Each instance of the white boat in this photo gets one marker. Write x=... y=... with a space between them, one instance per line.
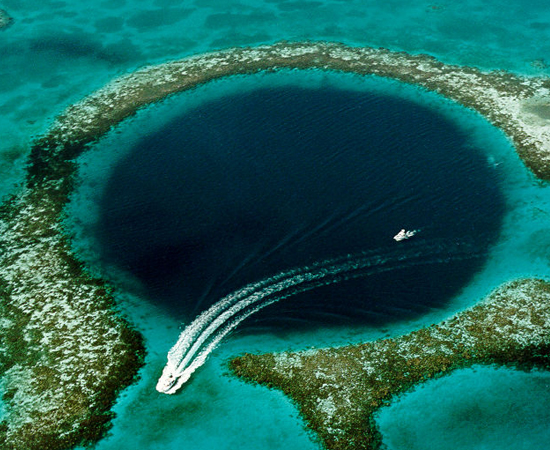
x=404 y=234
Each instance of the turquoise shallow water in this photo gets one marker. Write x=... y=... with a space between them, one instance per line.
x=57 y=52
x=503 y=409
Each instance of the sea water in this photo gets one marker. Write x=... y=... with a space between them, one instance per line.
x=211 y=400
x=262 y=182
x=57 y=52
x=503 y=409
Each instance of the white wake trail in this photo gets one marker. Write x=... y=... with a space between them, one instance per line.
x=202 y=336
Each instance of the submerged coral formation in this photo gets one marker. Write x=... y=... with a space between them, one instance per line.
x=5 y=19
x=66 y=353
x=338 y=390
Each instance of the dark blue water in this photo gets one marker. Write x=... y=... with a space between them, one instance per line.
x=247 y=186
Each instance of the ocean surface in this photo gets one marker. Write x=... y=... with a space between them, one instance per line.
x=248 y=177
x=257 y=183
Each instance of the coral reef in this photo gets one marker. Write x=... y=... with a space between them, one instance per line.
x=339 y=389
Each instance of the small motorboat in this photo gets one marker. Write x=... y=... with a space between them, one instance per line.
x=404 y=234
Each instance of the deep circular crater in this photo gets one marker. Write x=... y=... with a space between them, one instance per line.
x=256 y=183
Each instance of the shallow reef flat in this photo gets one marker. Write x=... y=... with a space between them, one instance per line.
x=66 y=352
x=338 y=390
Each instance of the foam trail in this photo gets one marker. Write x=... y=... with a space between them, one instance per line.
x=202 y=336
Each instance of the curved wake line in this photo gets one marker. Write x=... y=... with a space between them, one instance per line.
x=203 y=335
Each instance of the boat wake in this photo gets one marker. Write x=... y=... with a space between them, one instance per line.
x=202 y=336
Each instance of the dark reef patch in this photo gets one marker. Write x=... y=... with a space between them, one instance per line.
x=5 y=19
